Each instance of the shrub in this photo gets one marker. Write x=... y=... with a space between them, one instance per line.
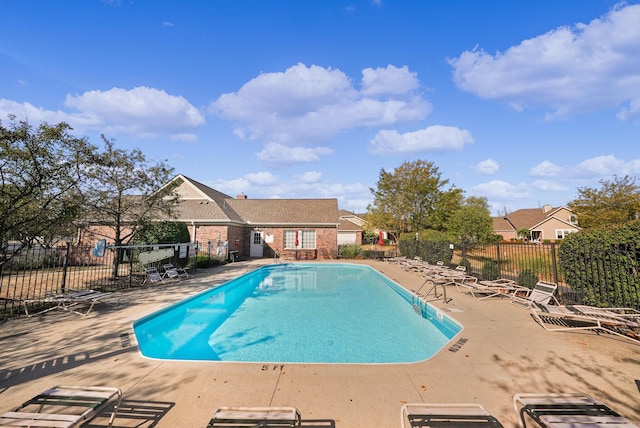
x=527 y=278
x=490 y=270
x=350 y=251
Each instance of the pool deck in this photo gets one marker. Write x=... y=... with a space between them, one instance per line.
x=504 y=352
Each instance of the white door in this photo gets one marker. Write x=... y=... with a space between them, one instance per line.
x=256 y=244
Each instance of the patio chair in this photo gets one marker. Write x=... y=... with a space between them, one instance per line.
x=543 y=292
x=446 y=415
x=173 y=272
x=623 y=322
x=482 y=290
x=567 y=410
x=248 y=417
x=63 y=406
x=152 y=275
x=69 y=300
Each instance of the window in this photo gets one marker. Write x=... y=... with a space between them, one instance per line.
x=306 y=239
x=562 y=233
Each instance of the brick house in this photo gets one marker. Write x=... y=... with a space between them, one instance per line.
x=297 y=228
x=545 y=223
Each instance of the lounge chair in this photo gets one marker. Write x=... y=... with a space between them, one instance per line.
x=543 y=292
x=446 y=415
x=496 y=288
x=63 y=406
x=567 y=410
x=69 y=300
x=247 y=417
x=152 y=275
x=173 y=272
x=623 y=322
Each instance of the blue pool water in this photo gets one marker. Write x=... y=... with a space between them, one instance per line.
x=305 y=313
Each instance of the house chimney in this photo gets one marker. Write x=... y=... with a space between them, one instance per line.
x=546 y=208
x=243 y=196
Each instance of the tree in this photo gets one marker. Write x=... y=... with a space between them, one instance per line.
x=471 y=224
x=408 y=198
x=164 y=232
x=125 y=193
x=41 y=173
x=616 y=202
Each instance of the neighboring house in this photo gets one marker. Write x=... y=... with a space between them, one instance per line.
x=350 y=228
x=545 y=223
x=296 y=228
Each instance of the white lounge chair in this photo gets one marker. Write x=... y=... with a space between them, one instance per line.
x=543 y=292
x=172 y=272
x=567 y=410
x=63 y=406
x=248 y=417
x=495 y=288
x=69 y=300
x=425 y=415
x=152 y=276
x=623 y=322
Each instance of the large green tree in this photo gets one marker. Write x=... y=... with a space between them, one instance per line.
x=412 y=197
x=41 y=173
x=615 y=202
x=126 y=193
x=471 y=224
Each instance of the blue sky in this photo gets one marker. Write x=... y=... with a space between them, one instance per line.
x=522 y=102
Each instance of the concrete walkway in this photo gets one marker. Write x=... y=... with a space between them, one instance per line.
x=504 y=352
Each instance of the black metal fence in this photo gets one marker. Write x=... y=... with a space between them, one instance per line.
x=601 y=276
x=32 y=273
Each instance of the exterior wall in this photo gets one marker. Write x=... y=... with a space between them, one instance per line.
x=326 y=244
x=548 y=229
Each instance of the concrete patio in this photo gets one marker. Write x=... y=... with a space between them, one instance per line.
x=504 y=352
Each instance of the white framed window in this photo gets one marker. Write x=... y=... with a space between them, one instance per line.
x=306 y=239
x=562 y=233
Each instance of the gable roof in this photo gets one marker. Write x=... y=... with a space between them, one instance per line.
x=201 y=203
x=528 y=218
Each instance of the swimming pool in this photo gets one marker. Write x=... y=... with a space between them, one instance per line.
x=298 y=313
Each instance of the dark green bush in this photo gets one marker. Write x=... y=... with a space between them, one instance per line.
x=601 y=265
x=490 y=270
x=431 y=246
x=350 y=251
x=527 y=278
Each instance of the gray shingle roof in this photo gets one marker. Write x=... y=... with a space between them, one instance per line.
x=202 y=203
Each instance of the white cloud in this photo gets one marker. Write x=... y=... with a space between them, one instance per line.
x=138 y=110
x=141 y=111
x=261 y=178
x=432 y=138
x=310 y=177
x=487 y=167
x=314 y=104
x=602 y=166
x=568 y=70
x=546 y=169
x=388 y=81
x=498 y=189
x=279 y=154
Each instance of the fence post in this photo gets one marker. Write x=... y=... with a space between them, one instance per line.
x=554 y=263
x=64 y=267
x=498 y=256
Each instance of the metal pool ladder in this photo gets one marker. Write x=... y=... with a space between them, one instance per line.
x=418 y=300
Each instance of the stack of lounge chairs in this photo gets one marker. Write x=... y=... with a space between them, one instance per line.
x=71 y=299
